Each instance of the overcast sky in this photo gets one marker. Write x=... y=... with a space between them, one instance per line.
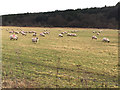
x=24 y=6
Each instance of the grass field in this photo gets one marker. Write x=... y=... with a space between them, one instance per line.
x=60 y=62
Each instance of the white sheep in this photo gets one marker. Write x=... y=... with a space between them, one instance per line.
x=34 y=34
x=11 y=31
x=98 y=33
x=30 y=31
x=16 y=32
x=42 y=34
x=23 y=33
x=94 y=31
x=35 y=39
x=94 y=37
x=65 y=32
x=33 y=31
x=74 y=31
x=74 y=35
x=105 y=40
x=46 y=32
x=13 y=37
x=60 y=35
x=71 y=34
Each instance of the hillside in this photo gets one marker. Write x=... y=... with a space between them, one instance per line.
x=105 y=17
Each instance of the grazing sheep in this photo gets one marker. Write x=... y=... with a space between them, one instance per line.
x=94 y=31
x=11 y=31
x=33 y=31
x=6 y=29
x=106 y=40
x=35 y=39
x=16 y=32
x=94 y=37
x=98 y=33
x=13 y=37
x=34 y=34
x=42 y=34
x=23 y=33
x=74 y=35
x=71 y=34
x=64 y=32
x=30 y=31
x=74 y=31
x=46 y=32
x=60 y=35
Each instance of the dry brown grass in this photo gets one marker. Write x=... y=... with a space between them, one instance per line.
x=8 y=83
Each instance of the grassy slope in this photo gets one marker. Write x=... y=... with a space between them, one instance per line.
x=36 y=64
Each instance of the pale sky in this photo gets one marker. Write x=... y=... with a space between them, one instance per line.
x=24 y=6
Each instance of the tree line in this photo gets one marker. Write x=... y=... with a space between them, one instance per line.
x=104 y=17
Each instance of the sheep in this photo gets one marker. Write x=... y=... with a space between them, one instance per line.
x=94 y=37
x=6 y=29
x=35 y=39
x=94 y=31
x=42 y=34
x=64 y=32
x=11 y=31
x=16 y=32
x=74 y=31
x=14 y=37
x=34 y=34
x=74 y=35
x=46 y=32
x=71 y=34
x=60 y=35
x=30 y=31
x=98 y=33
x=33 y=31
x=105 y=40
x=23 y=33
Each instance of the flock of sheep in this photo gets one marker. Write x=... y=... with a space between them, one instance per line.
x=35 y=39
x=98 y=33
x=68 y=34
